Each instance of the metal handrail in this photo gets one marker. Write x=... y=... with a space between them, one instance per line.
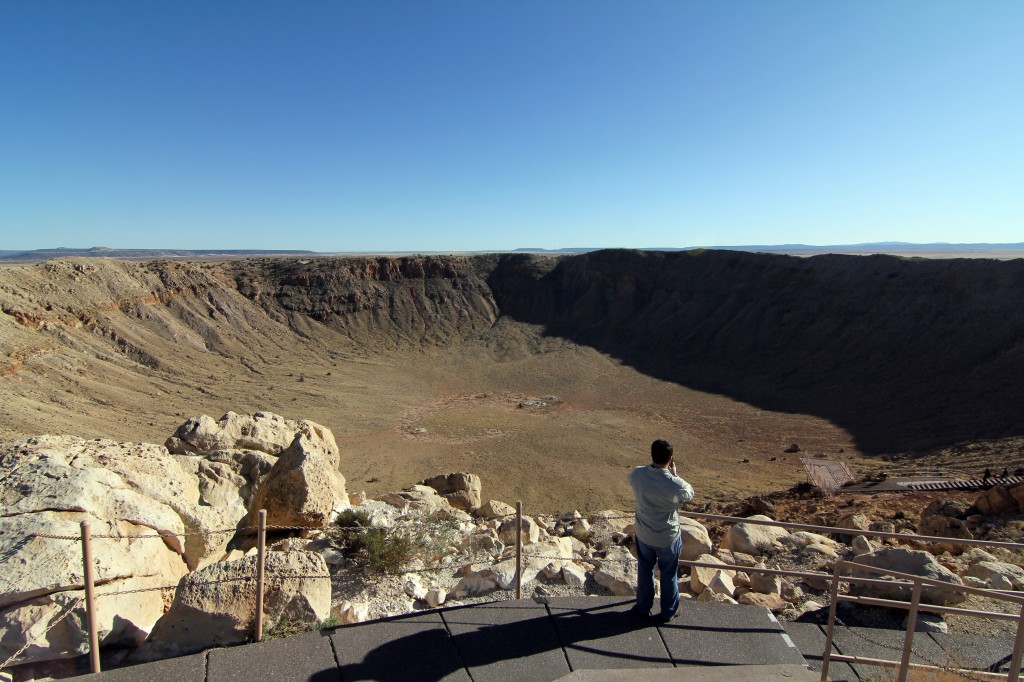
x=851 y=531
x=914 y=606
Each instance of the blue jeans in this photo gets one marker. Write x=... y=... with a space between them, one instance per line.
x=667 y=560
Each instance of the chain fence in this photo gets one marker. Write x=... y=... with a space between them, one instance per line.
x=275 y=579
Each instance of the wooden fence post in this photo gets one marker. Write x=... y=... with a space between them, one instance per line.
x=908 y=639
x=519 y=549
x=826 y=656
x=90 y=598
x=261 y=556
x=1018 y=649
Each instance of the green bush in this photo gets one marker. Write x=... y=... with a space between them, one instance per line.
x=388 y=550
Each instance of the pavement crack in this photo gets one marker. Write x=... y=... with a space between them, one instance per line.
x=565 y=654
x=455 y=643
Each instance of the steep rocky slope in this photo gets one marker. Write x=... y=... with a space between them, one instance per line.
x=906 y=354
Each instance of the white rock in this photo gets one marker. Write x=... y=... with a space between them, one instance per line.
x=304 y=487
x=701 y=577
x=351 y=612
x=460 y=489
x=475 y=583
x=507 y=531
x=494 y=508
x=261 y=431
x=573 y=575
x=753 y=538
x=214 y=606
x=617 y=572
x=1000 y=575
x=803 y=538
x=909 y=561
x=708 y=595
x=435 y=597
x=861 y=545
x=413 y=587
x=721 y=583
x=765 y=583
x=581 y=530
x=696 y=540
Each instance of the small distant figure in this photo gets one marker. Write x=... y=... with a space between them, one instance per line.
x=987 y=475
x=1006 y=472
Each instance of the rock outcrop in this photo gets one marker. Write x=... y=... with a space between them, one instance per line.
x=462 y=490
x=751 y=538
x=216 y=605
x=913 y=562
x=304 y=487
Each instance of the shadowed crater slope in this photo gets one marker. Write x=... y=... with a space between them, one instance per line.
x=906 y=354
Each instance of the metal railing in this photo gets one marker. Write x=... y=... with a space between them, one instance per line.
x=915 y=583
x=832 y=579
x=91 y=595
x=918 y=582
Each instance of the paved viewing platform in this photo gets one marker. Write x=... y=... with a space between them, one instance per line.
x=561 y=638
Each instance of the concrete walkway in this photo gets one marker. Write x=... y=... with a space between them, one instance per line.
x=558 y=638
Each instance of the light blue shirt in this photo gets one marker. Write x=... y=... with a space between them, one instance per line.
x=658 y=494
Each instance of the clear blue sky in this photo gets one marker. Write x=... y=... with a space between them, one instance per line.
x=476 y=125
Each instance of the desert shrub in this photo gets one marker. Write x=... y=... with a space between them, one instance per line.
x=349 y=528
x=387 y=550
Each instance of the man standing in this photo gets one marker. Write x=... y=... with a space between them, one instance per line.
x=658 y=492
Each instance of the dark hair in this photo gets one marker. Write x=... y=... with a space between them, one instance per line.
x=661 y=451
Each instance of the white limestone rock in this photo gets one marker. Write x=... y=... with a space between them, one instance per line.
x=215 y=606
x=753 y=539
x=304 y=487
x=348 y=612
x=721 y=583
x=696 y=540
x=460 y=489
x=261 y=431
x=700 y=577
x=617 y=572
x=1000 y=575
x=573 y=575
x=507 y=531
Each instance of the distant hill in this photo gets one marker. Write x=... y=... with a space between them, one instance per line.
x=935 y=250
x=156 y=254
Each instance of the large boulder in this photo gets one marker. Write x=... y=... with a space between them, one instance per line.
x=494 y=508
x=419 y=498
x=913 y=562
x=462 y=490
x=998 y=574
x=134 y=497
x=304 y=488
x=754 y=539
x=696 y=540
x=617 y=571
x=997 y=500
x=701 y=576
x=261 y=431
x=530 y=531
x=945 y=518
x=216 y=605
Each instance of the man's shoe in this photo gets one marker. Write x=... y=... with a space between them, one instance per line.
x=640 y=615
x=662 y=620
